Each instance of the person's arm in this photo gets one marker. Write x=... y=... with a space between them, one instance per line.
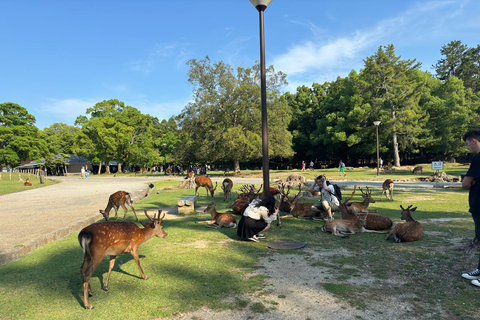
x=468 y=182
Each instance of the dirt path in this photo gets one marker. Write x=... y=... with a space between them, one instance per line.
x=36 y=217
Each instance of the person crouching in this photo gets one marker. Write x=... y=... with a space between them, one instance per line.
x=257 y=219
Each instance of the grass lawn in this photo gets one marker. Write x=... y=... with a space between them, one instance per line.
x=11 y=183
x=197 y=266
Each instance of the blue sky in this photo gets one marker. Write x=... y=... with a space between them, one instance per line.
x=58 y=58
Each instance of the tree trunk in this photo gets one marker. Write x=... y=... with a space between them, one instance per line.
x=107 y=166
x=236 y=165
x=396 y=154
x=119 y=167
x=66 y=171
x=99 y=168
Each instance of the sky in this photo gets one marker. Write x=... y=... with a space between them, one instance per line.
x=58 y=58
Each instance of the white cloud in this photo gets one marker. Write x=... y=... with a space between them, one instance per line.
x=318 y=60
x=161 y=110
x=160 y=53
x=65 y=111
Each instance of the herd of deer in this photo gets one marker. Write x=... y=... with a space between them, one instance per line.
x=113 y=238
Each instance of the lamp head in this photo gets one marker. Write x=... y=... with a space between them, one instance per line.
x=260 y=5
x=377 y=123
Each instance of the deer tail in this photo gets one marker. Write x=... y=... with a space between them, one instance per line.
x=130 y=197
x=85 y=239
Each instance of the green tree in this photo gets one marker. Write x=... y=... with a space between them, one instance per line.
x=226 y=106
x=392 y=89
x=461 y=62
x=20 y=139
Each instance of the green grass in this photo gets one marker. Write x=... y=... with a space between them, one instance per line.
x=11 y=183
x=196 y=266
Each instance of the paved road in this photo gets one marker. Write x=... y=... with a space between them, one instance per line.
x=33 y=218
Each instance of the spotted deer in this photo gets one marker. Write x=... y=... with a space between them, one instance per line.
x=357 y=207
x=227 y=186
x=27 y=183
x=113 y=238
x=408 y=231
x=202 y=181
x=299 y=209
x=116 y=200
x=387 y=188
x=219 y=219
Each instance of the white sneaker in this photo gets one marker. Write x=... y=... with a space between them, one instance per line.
x=254 y=239
x=475 y=274
x=476 y=282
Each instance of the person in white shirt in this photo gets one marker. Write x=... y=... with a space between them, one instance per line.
x=329 y=201
x=257 y=219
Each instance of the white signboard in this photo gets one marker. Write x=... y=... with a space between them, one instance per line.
x=437 y=165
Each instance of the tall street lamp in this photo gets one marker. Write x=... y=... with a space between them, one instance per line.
x=377 y=123
x=164 y=158
x=261 y=5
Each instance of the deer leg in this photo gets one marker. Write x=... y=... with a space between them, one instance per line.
x=125 y=210
x=133 y=209
x=110 y=267
x=137 y=261
x=87 y=290
x=116 y=212
x=86 y=261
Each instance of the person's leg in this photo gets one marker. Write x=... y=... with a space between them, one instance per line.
x=476 y=220
x=327 y=208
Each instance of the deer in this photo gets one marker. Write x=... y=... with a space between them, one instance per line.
x=113 y=238
x=387 y=188
x=202 y=181
x=408 y=231
x=227 y=186
x=239 y=205
x=417 y=169
x=350 y=224
x=373 y=221
x=27 y=183
x=116 y=200
x=219 y=219
x=299 y=209
x=357 y=207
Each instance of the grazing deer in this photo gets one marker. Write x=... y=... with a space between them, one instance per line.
x=408 y=231
x=219 y=219
x=27 y=183
x=227 y=186
x=387 y=188
x=417 y=169
x=116 y=200
x=113 y=238
x=202 y=181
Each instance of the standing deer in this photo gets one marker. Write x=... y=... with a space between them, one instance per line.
x=113 y=238
x=408 y=231
x=417 y=169
x=219 y=219
x=202 y=181
x=387 y=187
x=227 y=186
x=116 y=200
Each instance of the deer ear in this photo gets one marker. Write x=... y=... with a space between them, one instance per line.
x=413 y=209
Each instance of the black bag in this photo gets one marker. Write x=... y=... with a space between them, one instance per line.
x=338 y=191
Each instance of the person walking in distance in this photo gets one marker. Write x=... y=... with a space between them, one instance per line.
x=303 y=165
x=82 y=171
x=472 y=140
x=341 y=168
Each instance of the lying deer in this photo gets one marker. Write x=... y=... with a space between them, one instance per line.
x=27 y=183
x=299 y=209
x=357 y=207
x=417 y=169
x=350 y=224
x=408 y=231
x=219 y=219
x=387 y=188
x=202 y=181
x=113 y=238
x=227 y=186
x=238 y=206
x=116 y=200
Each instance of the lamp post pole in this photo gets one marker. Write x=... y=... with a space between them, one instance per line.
x=164 y=158
x=377 y=124
x=261 y=5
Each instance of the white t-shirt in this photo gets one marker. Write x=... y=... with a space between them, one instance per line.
x=327 y=196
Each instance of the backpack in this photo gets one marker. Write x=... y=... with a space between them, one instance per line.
x=338 y=191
